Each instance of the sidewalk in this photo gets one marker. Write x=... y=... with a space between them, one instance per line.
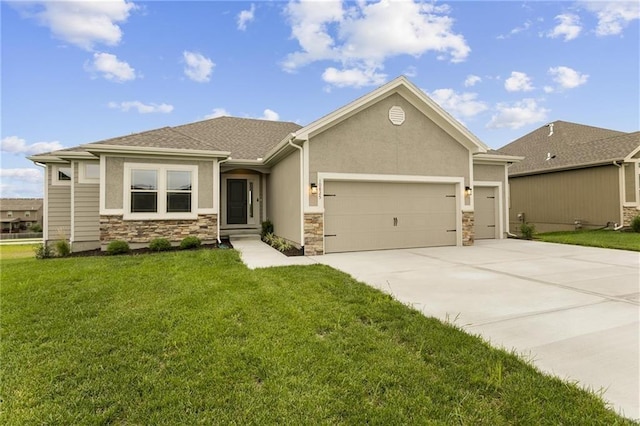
x=257 y=254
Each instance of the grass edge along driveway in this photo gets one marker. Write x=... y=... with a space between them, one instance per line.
x=594 y=238
x=196 y=337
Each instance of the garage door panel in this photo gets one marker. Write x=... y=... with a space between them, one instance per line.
x=375 y=215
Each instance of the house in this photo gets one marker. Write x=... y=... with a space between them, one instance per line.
x=18 y=214
x=389 y=170
x=574 y=176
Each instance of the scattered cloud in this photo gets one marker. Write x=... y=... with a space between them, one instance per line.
x=567 y=78
x=569 y=27
x=246 y=16
x=21 y=183
x=16 y=145
x=271 y=115
x=26 y=175
x=82 y=23
x=518 y=82
x=517 y=114
x=411 y=71
x=198 y=67
x=142 y=108
x=217 y=112
x=516 y=30
x=613 y=16
x=361 y=36
x=472 y=80
x=459 y=104
x=111 y=68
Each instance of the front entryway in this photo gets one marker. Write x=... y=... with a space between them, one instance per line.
x=236 y=201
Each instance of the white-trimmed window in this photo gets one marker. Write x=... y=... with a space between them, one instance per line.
x=9 y=214
x=27 y=213
x=159 y=191
x=61 y=175
x=89 y=172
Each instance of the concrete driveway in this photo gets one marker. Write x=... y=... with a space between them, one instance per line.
x=574 y=311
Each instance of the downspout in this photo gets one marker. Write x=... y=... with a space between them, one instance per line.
x=301 y=188
x=218 y=201
x=621 y=193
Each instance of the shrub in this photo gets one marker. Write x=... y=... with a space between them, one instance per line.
x=268 y=238
x=281 y=244
x=267 y=228
x=635 y=224
x=527 y=230
x=190 y=242
x=118 y=247
x=35 y=227
x=63 y=248
x=160 y=244
x=43 y=251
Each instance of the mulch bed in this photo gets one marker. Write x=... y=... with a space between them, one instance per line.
x=134 y=252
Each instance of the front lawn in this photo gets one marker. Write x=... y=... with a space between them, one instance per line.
x=17 y=251
x=595 y=238
x=196 y=337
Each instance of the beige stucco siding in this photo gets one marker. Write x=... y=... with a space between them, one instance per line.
x=369 y=143
x=59 y=209
x=283 y=198
x=86 y=209
x=488 y=172
x=553 y=201
x=630 y=180
x=115 y=173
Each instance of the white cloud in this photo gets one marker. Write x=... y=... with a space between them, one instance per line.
x=458 y=104
x=568 y=78
x=411 y=71
x=353 y=77
x=471 y=80
x=271 y=115
x=141 y=107
x=198 y=67
x=516 y=30
x=246 y=16
x=82 y=23
x=568 y=27
x=217 y=112
x=517 y=114
x=613 y=16
x=518 y=82
x=111 y=68
x=21 y=183
x=24 y=175
x=16 y=145
x=548 y=89
x=362 y=36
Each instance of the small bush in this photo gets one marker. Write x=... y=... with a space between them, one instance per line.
x=63 y=248
x=527 y=230
x=281 y=244
x=268 y=238
x=118 y=247
x=635 y=224
x=43 y=251
x=160 y=244
x=35 y=227
x=190 y=242
x=267 y=228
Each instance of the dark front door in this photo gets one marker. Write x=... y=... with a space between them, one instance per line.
x=236 y=201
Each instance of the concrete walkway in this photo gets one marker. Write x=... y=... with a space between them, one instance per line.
x=574 y=311
x=257 y=254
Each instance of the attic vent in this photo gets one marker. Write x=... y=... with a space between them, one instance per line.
x=396 y=115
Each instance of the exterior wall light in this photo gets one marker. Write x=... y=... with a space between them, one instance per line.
x=314 y=188
x=467 y=191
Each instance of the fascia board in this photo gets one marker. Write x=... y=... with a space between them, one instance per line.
x=119 y=149
x=496 y=159
x=277 y=150
x=565 y=168
x=632 y=154
x=44 y=159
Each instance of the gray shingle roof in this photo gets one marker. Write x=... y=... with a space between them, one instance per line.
x=20 y=204
x=570 y=145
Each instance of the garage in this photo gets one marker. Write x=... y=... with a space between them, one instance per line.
x=387 y=215
x=485 y=212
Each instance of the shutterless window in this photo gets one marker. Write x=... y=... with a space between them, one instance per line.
x=64 y=173
x=27 y=213
x=92 y=171
x=178 y=191
x=144 y=191
x=9 y=214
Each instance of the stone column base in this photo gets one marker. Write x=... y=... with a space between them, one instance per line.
x=313 y=234
x=468 y=232
x=628 y=213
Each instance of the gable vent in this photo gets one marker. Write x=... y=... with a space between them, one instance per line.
x=396 y=115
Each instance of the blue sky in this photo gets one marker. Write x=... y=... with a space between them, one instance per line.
x=79 y=72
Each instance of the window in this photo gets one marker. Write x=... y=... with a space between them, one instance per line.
x=89 y=172
x=27 y=214
x=9 y=214
x=61 y=175
x=158 y=191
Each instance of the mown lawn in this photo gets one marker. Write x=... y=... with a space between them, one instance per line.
x=196 y=337
x=595 y=238
x=17 y=251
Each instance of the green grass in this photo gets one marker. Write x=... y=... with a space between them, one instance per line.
x=595 y=238
x=17 y=251
x=196 y=337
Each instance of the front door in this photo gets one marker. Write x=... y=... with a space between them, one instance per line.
x=236 y=201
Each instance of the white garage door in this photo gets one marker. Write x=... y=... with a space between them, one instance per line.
x=374 y=215
x=485 y=212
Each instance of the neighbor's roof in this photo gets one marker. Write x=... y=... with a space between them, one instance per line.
x=570 y=145
x=20 y=204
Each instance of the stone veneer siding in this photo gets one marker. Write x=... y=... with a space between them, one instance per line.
x=313 y=234
x=468 y=233
x=143 y=231
x=628 y=213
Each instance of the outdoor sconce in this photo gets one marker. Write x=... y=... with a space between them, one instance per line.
x=467 y=191
x=314 y=188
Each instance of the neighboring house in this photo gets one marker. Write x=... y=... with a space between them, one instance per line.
x=574 y=176
x=18 y=214
x=389 y=170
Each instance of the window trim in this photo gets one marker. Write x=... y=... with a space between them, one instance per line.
x=82 y=172
x=162 y=170
x=56 y=169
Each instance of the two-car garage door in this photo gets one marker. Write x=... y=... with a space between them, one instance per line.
x=383 y=215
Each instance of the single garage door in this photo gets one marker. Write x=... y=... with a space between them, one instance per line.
x=485 y=212
x=375 y=216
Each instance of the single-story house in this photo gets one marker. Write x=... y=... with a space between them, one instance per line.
x=574 y=176
x=391 y=169
x=18 y=214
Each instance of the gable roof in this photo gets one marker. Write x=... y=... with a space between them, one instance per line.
x=20 y=204
x=569 y=145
